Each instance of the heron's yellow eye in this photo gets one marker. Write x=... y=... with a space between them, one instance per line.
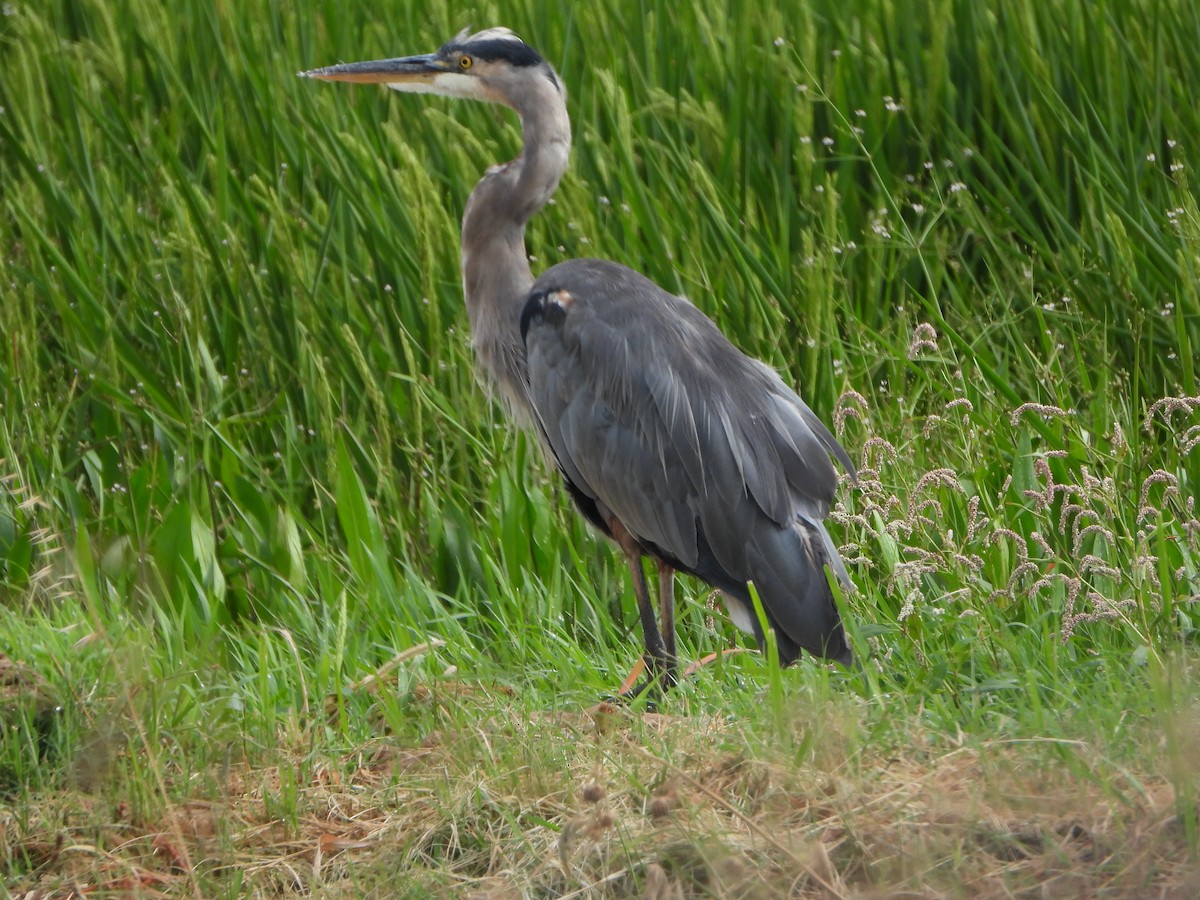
x=465 y=62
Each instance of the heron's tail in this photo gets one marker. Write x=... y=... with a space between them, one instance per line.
x=787 y=567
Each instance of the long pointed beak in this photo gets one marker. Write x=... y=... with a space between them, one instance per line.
x=404 y=70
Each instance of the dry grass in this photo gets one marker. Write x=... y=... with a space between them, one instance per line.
x=607 y=803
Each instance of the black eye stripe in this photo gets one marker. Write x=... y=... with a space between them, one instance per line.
x=516 y=53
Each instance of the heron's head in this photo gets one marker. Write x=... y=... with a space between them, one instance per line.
x=493 y=65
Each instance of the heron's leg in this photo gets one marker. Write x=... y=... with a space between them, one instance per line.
x=666 y=610
x=657 y=660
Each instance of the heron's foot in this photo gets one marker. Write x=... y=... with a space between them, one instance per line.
x=662 y=677
x=646 y=693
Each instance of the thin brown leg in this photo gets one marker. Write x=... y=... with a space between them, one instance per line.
x=657 y=659
x=659 y=662
x=666 y=611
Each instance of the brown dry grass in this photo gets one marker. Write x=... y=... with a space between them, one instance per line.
x=605 y=803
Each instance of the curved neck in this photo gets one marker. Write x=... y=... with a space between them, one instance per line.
x=495 y=267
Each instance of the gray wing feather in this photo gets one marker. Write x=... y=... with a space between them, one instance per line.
x=652 y=413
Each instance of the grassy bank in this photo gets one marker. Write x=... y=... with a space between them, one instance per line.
x=287 y=607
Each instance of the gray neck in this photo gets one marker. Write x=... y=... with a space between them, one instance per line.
x=495 y=267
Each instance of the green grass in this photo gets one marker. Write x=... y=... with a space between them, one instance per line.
x=244 y=462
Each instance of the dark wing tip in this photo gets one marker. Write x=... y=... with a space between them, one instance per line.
x=842 y=456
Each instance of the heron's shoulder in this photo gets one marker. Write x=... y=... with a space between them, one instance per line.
x=603 y=280
x=612 y=302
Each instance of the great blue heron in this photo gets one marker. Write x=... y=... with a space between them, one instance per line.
x=670 y=440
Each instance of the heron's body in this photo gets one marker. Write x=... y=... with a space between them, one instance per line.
x=670 y=440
